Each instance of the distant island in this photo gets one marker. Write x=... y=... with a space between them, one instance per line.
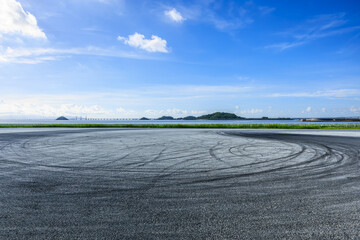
x=189 y=118
x=62 y=118
x=144 y=118
x=166 y=118
x=267 y=118
x=330 y=120
x=218 y=116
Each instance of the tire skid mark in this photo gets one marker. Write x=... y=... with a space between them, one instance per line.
x=237 y=158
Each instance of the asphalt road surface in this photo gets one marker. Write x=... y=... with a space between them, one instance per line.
x=178 y=184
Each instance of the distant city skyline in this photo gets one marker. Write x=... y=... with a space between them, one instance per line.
x=132 y=59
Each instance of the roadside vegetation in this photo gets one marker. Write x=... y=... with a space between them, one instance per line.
x=271 y=125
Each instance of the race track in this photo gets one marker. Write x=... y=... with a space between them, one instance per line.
x=178 y=184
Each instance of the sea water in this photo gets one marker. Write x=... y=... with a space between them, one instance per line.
x=51 y=121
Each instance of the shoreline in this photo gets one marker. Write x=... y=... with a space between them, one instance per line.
x=233 y=126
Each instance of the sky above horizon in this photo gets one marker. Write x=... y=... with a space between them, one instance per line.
x=127 y=59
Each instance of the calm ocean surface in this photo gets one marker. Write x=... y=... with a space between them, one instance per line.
x=49 y=121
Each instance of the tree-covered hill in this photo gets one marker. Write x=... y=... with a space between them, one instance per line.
x=220 y=116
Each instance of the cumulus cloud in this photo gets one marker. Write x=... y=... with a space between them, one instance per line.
x=137 y=40
x=174 y=15
x=15 y=20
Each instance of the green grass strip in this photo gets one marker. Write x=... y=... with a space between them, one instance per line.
x=260 y=126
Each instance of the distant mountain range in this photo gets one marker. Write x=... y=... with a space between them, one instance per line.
x=216 y=116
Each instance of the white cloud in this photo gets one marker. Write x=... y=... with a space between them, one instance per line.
x=93 y=104
x=38 y=55
x=145 y=96
x=219 y=14
x=173 y=112
x=174 y=15
x=243 y=78
x=42 y=106
x=285 y=45
x=195 y=112
x=354 y=109
x=21 y=108
x=338 y=93
x=266 y=10
x=323 y=109
x=14 y=20
x=308 y=109
x=137 y=40
x=105 y=1
x=28 y=55
x=319 y=27
x=125 y=112
x=219 y=88
x=251 y=111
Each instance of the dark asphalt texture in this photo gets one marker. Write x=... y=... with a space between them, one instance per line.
x=178 y=184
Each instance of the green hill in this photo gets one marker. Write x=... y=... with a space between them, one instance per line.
x=220 y=116
x=190 y=118
x=62 y=118
x=165 y=118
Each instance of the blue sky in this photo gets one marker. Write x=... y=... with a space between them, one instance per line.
x=122 y=58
